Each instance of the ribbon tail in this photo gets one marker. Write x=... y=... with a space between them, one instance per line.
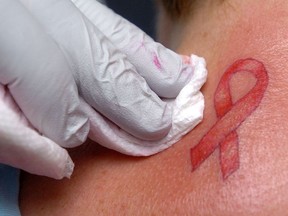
x=229 y=155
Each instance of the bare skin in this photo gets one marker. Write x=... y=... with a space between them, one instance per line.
x=108 y=183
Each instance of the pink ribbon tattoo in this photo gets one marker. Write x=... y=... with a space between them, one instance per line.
x=230 y=116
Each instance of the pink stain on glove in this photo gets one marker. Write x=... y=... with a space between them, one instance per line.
x=157 y=61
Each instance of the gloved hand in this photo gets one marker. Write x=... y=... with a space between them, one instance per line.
x=55 y=59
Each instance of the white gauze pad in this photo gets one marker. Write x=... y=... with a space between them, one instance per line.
x=187 y=108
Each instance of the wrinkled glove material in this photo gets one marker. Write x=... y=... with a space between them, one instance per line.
x=187 y=113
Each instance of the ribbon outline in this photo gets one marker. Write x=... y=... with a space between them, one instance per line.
x=230 y=117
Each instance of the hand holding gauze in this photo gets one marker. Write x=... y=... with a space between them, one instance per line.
x=63 y=67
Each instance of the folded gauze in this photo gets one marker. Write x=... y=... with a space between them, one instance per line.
x=187 y=112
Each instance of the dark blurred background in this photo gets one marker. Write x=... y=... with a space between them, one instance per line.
x=139 y=12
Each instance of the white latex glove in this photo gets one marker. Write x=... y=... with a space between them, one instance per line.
x=50 y=52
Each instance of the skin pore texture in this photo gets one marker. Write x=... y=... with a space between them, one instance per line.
x=245 y=35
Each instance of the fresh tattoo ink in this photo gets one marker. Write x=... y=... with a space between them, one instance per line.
x=223 y=134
